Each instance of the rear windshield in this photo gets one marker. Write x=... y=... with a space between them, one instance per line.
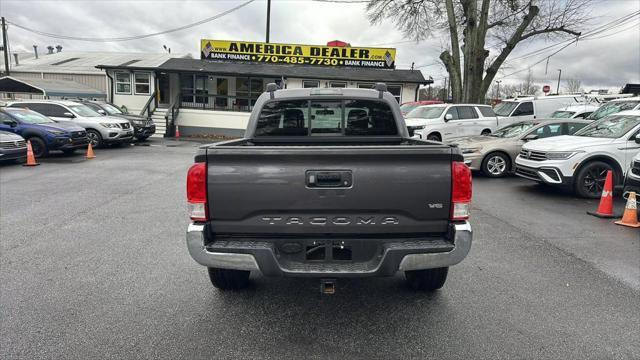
x=326 y=118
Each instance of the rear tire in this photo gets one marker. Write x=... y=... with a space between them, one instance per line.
x=434 y=137
x=39 y=147
x=485 y=132
x=427 y=280
x=225 y=279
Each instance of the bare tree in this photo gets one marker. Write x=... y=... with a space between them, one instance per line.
x=573 y=86
x=471 y=23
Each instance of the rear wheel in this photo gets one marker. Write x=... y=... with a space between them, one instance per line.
x=95 y=139
x=39 y=147
x=591 y=178
x=225 y=279
x=434 y=137
x=485 y=132
x=427 y=280
x=496 y=165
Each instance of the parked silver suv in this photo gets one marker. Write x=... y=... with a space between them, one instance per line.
x=100 y=129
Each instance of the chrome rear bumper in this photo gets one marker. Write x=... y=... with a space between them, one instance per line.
x=263 y=259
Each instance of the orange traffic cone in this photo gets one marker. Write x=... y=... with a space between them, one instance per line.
x=90 y=154
x=31 y=159
x=605 y=209
x=630 y=217
x=177 y=132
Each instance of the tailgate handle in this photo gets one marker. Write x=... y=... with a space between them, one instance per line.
x=328 y=178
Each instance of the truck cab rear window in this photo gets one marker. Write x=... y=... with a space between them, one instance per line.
x=326 y=118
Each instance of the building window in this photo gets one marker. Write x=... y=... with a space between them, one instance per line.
x=365 y=85
x=247 y=92
x=142 y=83
x=123 y=83
x=310 y=84
x=338 y=84
x=396 y=91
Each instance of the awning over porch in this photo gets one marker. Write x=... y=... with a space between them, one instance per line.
x=48 y=88
x=294 y=71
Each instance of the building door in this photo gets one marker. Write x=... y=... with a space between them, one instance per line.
x=201 y=91
x=163 y=88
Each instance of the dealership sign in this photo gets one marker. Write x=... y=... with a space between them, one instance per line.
x=297 y=54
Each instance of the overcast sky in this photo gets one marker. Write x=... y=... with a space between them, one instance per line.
x=601 y=63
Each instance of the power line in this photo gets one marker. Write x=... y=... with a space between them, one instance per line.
x=589 y=36
x=136 y=37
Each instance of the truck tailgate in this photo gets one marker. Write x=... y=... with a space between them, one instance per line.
x=330 y=190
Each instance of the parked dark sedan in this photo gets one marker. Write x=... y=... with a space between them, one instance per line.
x=142 y=127
x=12 y=147
x=43 y=133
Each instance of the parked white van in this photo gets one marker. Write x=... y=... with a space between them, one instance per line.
x=529 y=108
x=443 y=121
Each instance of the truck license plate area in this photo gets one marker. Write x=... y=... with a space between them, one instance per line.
x=330 y=251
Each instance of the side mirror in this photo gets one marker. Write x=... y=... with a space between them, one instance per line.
x=530 y=137
x=102 y=112
x=11 y=123
x=448 y=117
x=638 y=139
x=69 y=115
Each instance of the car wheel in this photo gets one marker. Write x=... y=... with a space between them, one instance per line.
x=434 y=137
x=95 y=139
x=427 y=280
x=485 y=132
x=225 y=279
x=39 y=147
x=591 y=178
x=496 y=165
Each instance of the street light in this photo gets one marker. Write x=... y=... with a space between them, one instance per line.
x=558 y=88
x=498 y=82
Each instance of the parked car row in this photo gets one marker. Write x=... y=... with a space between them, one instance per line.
x=572 y=146
x=66 y=125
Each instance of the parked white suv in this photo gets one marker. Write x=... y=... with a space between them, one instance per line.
x=580 y=111
x=100 y=129
x=615 y=106
x=581 y=161
x=444 y=121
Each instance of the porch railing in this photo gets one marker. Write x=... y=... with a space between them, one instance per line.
x=216 y=102
x=150 y=106
x=171 y=115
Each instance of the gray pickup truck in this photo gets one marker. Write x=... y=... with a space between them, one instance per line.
x=327 y=183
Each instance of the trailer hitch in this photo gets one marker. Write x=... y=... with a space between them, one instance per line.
x=328 y=286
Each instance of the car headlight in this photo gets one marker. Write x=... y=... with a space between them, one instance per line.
x=110 y=125
x=470 y=150
x=57 y=132
x=561 y=155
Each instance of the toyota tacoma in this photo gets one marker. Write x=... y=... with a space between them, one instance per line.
x=326 y=183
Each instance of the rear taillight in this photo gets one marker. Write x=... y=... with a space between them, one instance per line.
x=460 y=191
x=197 y=191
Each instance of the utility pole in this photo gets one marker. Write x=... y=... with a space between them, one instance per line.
x=5 y=47
x=558 y=88
x=498 y=82
x=268 y=18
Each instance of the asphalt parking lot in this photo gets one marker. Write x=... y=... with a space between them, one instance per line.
x=94 y=265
